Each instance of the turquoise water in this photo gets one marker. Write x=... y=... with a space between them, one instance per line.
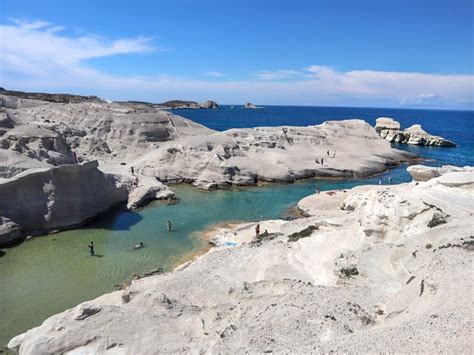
x=49 y=274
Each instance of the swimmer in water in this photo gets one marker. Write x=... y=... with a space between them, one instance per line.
x=138 y=246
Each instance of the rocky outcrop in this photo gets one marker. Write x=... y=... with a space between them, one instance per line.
x=361 y=276
x=148 y=189
x=209 y=105
x=57 y=98
x=42 y=200
x=389 y=129
x=247 y=156
x=179 y=104
x=250 y=105
x=386 y=123
x=425 y=173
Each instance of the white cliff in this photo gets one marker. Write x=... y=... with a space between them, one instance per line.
x=371 y=269
x=40 y=200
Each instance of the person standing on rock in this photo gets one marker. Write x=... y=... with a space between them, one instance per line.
x=133 y=171
x=257 y=230
x=328 y=153
x=334 y=155
x=91 y=248
x=322 y=161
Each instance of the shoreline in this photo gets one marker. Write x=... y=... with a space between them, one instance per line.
x=122 y=205
x=306 y=269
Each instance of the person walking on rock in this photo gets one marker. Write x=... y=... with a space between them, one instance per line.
x=91 y=248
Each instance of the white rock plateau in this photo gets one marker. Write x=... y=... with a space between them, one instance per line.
x=371 y=269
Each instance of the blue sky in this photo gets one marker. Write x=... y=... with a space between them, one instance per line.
x=347 y=53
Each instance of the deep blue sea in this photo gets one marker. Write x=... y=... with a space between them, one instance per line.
x=457 y=126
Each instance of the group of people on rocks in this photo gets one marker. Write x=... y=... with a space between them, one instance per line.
x=317 y=161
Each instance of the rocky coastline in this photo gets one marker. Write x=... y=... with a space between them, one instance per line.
x=138 y=149
x=355 y=275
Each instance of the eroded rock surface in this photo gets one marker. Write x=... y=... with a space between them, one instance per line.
x=45 y=199
x=368 y=274
x=425 y=173
x=137 y=141
x=391 y=130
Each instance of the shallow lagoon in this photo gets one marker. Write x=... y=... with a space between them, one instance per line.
x=49 y=274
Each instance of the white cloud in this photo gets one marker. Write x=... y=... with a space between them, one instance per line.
x=32 y=47
x=39 y=56
x=279 y=74
x=215 y=73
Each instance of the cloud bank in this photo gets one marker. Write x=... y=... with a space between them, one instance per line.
x=42 y=57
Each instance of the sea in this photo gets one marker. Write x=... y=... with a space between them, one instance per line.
x=49 y=274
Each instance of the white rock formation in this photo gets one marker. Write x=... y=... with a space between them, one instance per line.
x=41 y=200
x=147 y=189
x=386 y=123
x=372 y=269
x=390 y=129
x=246 y=156
x=425 y=173
x=159 y=144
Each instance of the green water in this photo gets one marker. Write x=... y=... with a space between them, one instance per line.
x=49 y=274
